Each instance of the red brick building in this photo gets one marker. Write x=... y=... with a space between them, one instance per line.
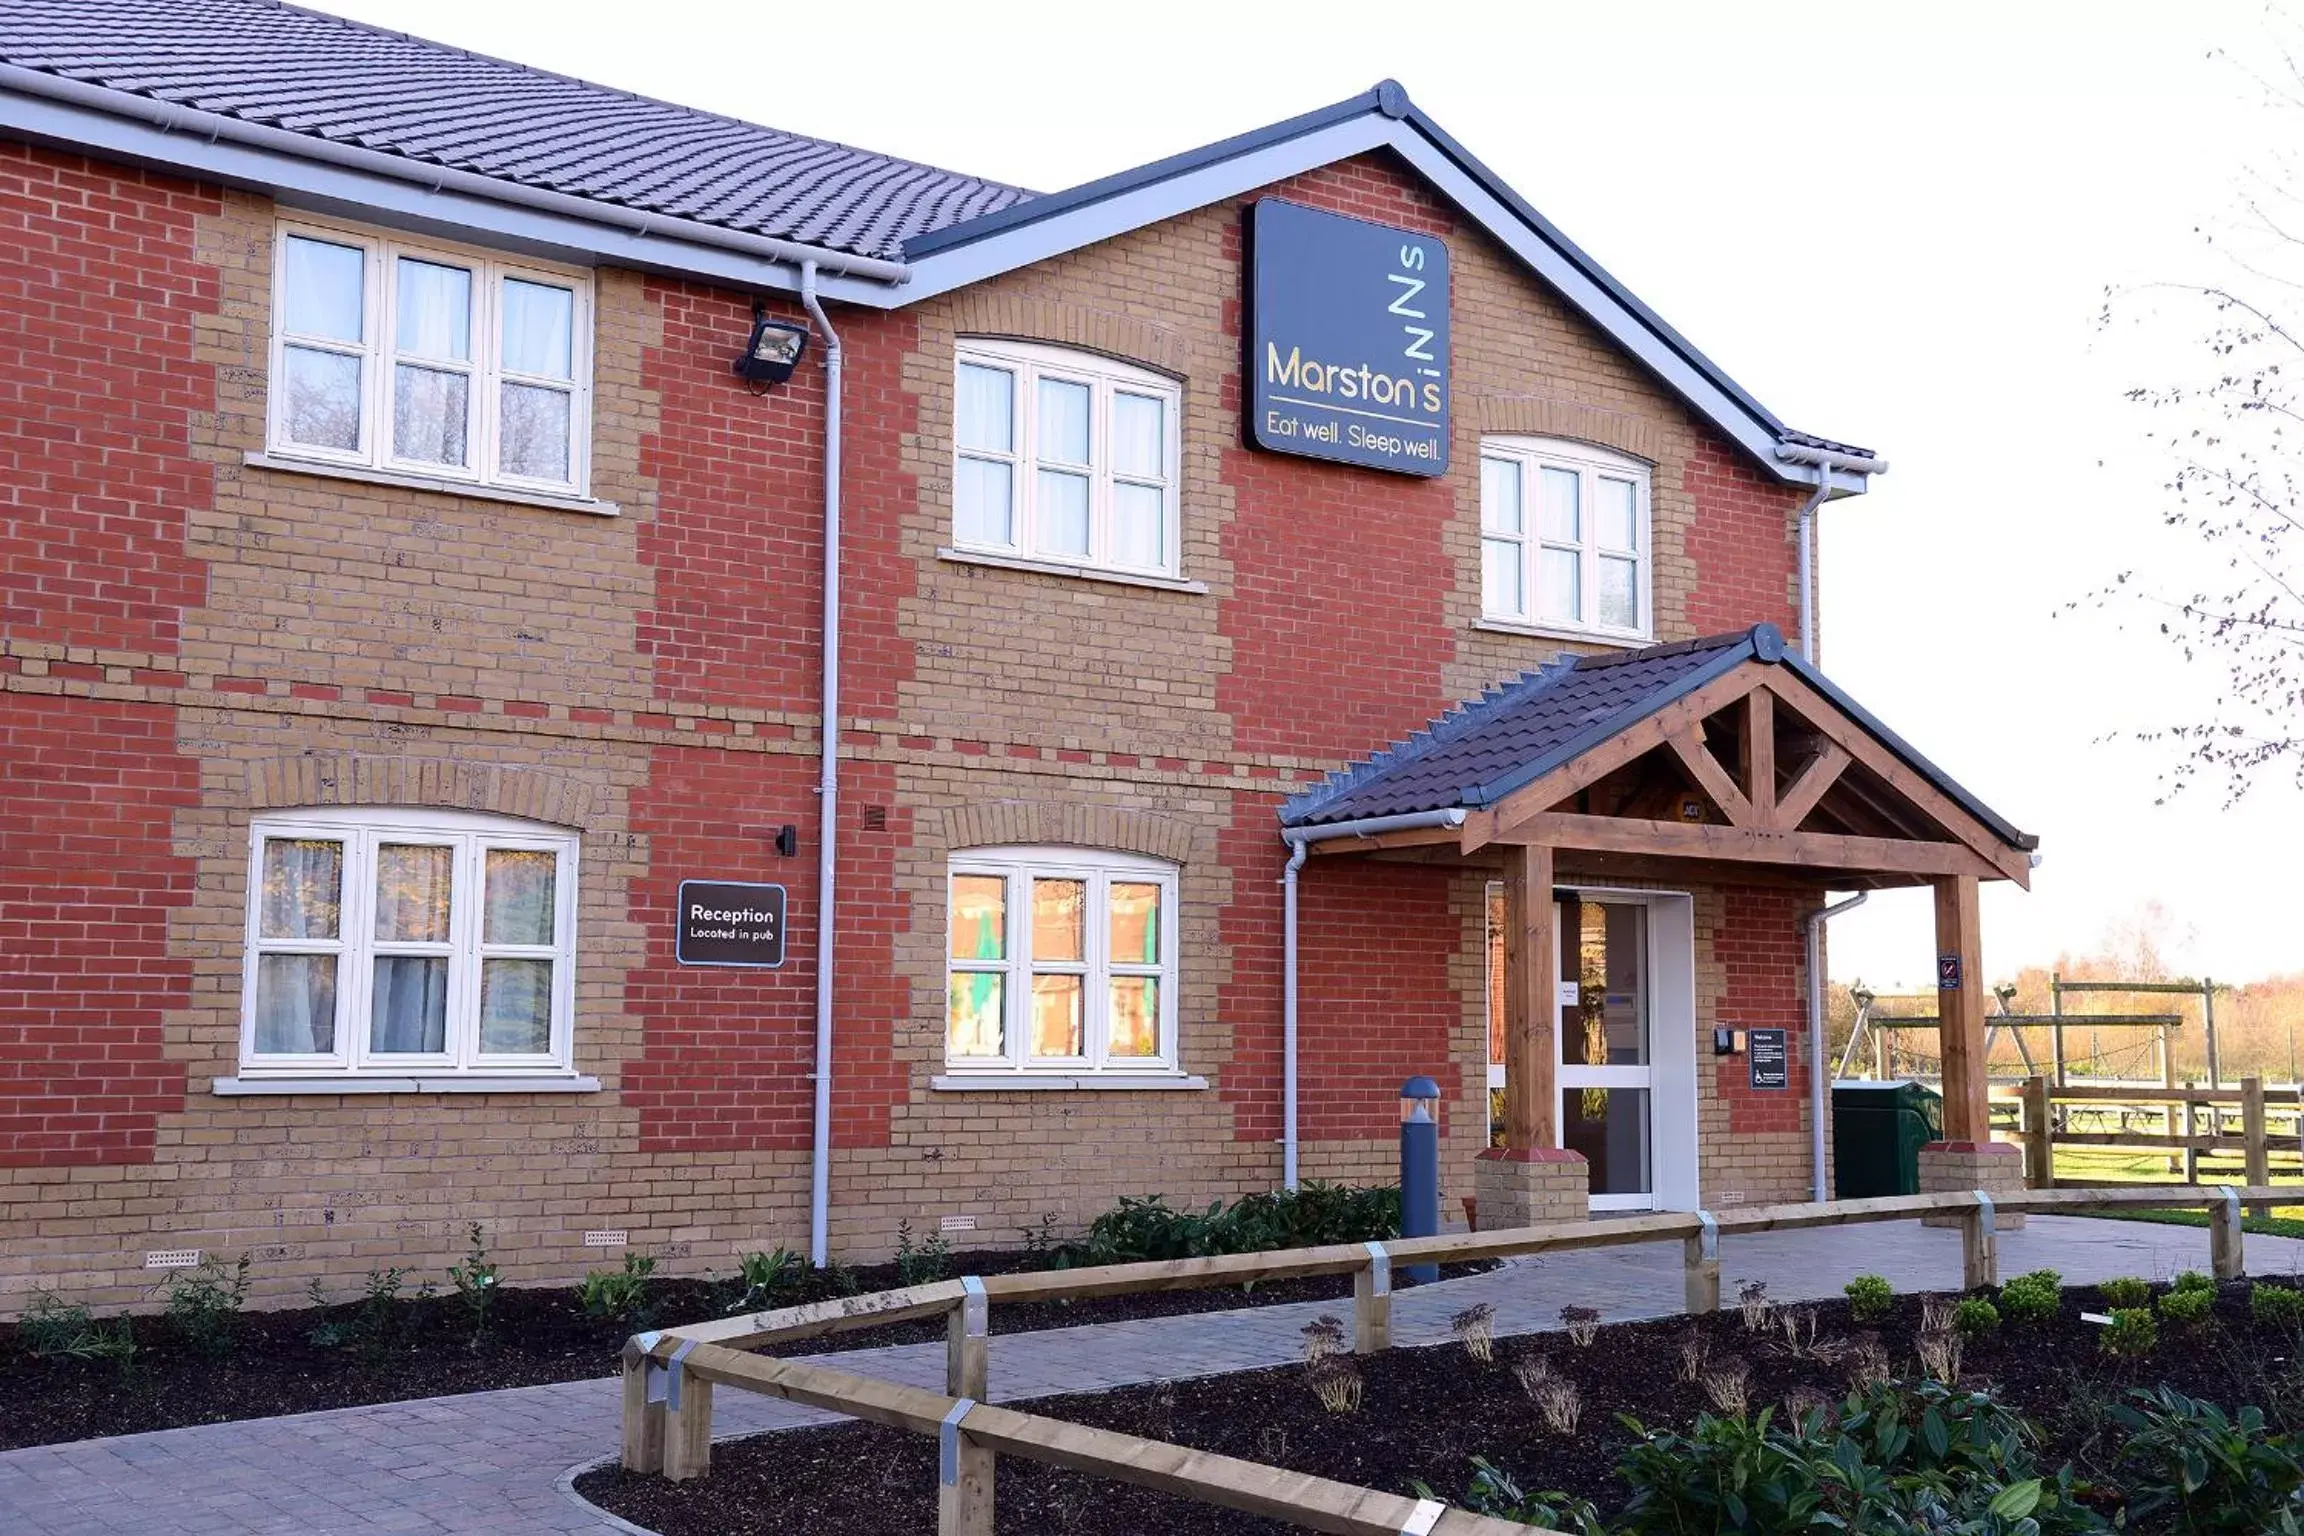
x=405 y=596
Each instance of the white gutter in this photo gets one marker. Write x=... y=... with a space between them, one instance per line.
x=1300 y=841
x=1825 y=460
x=213 y=126
x=1819 y=1054
x=827 y=782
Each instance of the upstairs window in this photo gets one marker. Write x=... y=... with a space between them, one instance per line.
x=1564 y=538
x=393 y=942
x=1064 y=457
x=423 y=360
x=1061 y=960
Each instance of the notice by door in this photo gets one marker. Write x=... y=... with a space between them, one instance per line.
x=1769 y=1053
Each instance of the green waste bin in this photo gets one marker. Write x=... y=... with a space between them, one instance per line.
x=1877 y=1132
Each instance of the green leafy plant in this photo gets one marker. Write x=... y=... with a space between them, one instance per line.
x=1870 y=1297
x=1494 y=1493
x=2132 y=1334
x=1146 y=1228
x=619 y=1295
x=2127 y=1293
x=54 y=1329
x=475 y=1282
x=204 y=1302
x=762 y=1277
x=1041 y=1248
x=2194 y=1470
x=2032 y=1297
x=2276 y=1305
x=1976 y=1317
x=2188 y=1311
x=327 y=1333
x=380 y=1322
x=921 y=1263
x=2194 y=1280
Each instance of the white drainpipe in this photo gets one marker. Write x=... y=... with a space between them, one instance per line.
x=1825 y=461
x=1819 y=1054
x=1300 y=841
x=827 y=783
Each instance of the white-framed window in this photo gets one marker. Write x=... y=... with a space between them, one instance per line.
x=1065 y=456
x=391 y=941
x=1564 y=537
x=455 y=364
x=1061 y=960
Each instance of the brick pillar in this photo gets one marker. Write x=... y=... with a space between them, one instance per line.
x=1987 y=1165
x=1526 y=1187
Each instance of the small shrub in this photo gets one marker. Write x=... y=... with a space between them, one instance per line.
x=1694 y=1346
x=1868 y=1363
x=1475 y=1326
x=1936 y=1313
x=1313 y=1214
x=1582 y=1323
x=380 y=1322
x=54 y=1329
x=1532 y=1372
x=2188 y=1311
x=1041 y=1249
x=1336 y=1382
x=2210 y=1472
x=2126 y=1293
x=922 y=1263
x=475 y=1282
x=1940 y=1350
x=2033 y=1297
x=1752 y=1301
x=1494 y=1493
x=2276 y=1305
x=1729 y=1386
x=1560 y=1405
x=204 y=1304
x=2132 y=1334
x=1976 y=1317
x=1801 y=1402
x=762 y=1277
x=1870 y=1298
x=2194 y=1280
x=1802 y=1339
x=620 y=1296
x=1323 y=1337
x=326 y=1333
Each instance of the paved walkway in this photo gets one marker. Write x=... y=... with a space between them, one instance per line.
x=493 y=1461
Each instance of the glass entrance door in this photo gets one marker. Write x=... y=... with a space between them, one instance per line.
x=1607 y=1063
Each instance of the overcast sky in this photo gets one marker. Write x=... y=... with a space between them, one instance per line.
x=1896 y=230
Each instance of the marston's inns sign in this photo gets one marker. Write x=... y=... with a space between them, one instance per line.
x=1347 y=339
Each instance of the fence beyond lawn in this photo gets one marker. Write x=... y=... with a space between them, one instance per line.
x=2147 y=1119
x=669 y=1376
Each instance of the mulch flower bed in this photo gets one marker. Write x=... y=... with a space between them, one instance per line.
x=347 y=1355
x=1423 y=1414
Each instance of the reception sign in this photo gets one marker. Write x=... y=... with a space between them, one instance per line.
x=1347 y=340
x=728 y=922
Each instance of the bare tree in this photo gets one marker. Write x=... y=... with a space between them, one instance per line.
x=2232 y=432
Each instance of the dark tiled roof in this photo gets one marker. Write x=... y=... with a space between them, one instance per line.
x=1512 y=735
x=339 y=80
x=1811 y=440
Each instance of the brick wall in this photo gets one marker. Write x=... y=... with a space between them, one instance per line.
x=201 y=640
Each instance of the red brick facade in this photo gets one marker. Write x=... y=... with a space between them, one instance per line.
x=187 y=639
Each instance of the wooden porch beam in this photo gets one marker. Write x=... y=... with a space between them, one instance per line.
x=1800 y=796
x=1960 y=1009
x=1760 y=755
x=1820 y=850
x=1411 y=837
x=1531 y=999
x=1705 y=769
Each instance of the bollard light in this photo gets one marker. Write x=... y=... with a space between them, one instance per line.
x=1420 y=1167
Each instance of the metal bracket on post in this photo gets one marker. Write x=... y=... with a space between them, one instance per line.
x=673 y=1373
x=948 y=1442
x=2231 y=1199
x=975 y=1309
x=1423 y=1517
x=1380 y=1269
x=1984 y=1215
x=1980 y=1245
x=1707 y=1236
x=650 y=1366
x=2225 y=1253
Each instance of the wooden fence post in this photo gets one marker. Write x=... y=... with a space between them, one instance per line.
x=2257 y=1153
x=964 y=1471
x=643 y=1420
x=687 y=1420
x=968 y=1344
x=2039 y=1135
x=2225 y=1255
x=1701 y=1256
x=1979 y=1245
x=1372 y=1303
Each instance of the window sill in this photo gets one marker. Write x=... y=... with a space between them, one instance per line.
x=1051 y=1082
x=1561 y=632
x=408 y=482
x=447 y=1082
x=1061 y=568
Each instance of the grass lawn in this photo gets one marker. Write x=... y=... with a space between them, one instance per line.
x=2121 y=1165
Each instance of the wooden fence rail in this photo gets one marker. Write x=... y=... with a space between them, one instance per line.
x=669 y=1376
x=2043 y=1129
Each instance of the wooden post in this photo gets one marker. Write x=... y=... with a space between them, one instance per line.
x=2191 y=1128
x=1700 y=1256
x=963 y=1485
x=2208 y=1030
x=2039 y=1135
x=2056 y=1030
x=1979 y=1246
x=1531 y=1001
x=2257 y=1154
x=1879 y=1055
x=2168 y=1117
x=688 y=1430
x=2225 y=1252
x=1372 y=1301
x=968 y=1345
x=1960 y=1010
x=643 y=1420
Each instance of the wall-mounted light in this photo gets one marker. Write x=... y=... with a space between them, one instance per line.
x=773 y=352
